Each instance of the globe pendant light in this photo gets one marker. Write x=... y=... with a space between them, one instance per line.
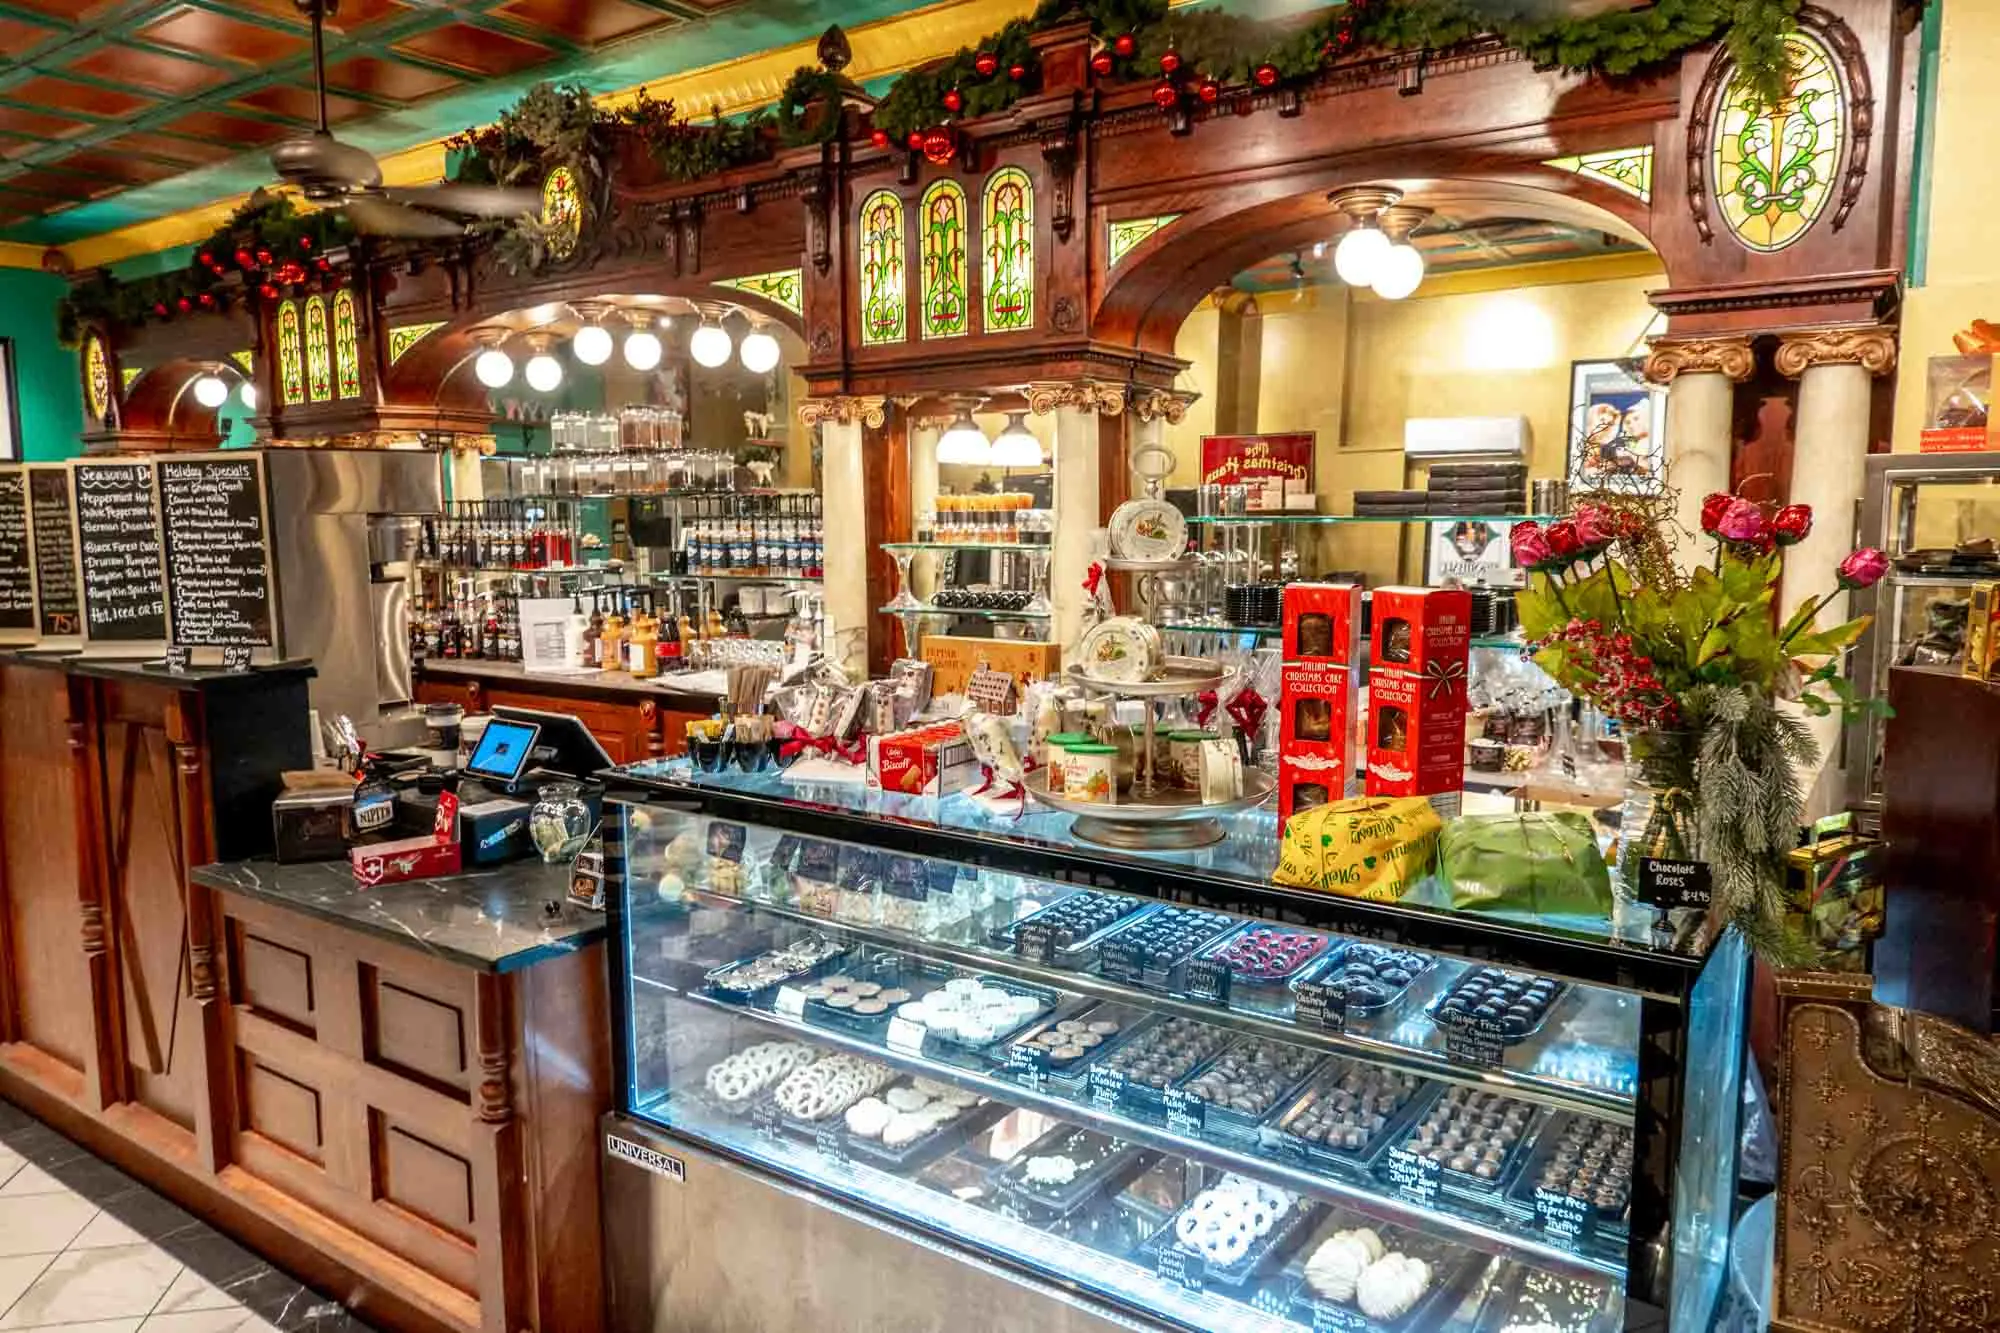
x=759 y=351
x=248 y=393
x=1360 y=253
x=592 y=345
x=642 y=345
x=710 y=345
x=1016 y=446
x=210 y=391
x=964 y=443
x=544 y=373
x=1401 y=269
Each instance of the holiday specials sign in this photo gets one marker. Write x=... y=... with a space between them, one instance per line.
x=1241 y=460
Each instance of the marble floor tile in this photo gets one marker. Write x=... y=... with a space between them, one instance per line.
x=10 y=1162
x=94 y=1326
x=192 y=1291
x=18 y=1273
x=234 y=1319
x=42 y=1223
x=121 y=1282
x=105 y=1230
x=32 y=1180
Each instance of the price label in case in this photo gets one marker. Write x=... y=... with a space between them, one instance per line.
x=832 y=1144
x=1177 y=1265
x=1185 y=1114
x=1475 y=1044
x=764 y=1118
x=1665 y=883
x=1027 y=1065
x=1414 y=1175
x=1318 y=1004
x=1564 y=1218
x=1107 y=1088
x=1036 y=942
x=1208 y=979
x=907 y=1036
x=1121 y=960
x=1338 y=1319
x=236 y=657
x=791 y=1001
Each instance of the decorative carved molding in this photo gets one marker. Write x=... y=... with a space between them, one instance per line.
x=1161 y=405
x=1045 y=397
x=495 y=1095
x=1873 y=348
x=1845 y=48
x=93 y=929
x=1059 y=137
x=1064 y=317
x=1673 y=357
x=201 y=970
x=1700 y=131
x=844 y=411
x=1876 y=292
x=816 y=192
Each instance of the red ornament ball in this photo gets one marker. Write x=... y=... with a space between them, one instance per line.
x=244 y=259
x=986 y=63
x=208 y=300
x=1125 y=44
x=1017 y=72
x=305 y=242
x=1165 y=94
x=160 y=309
x=268 y=292
x=939 y=145
x=954 y=100
x=263 y=255
x=1265 y=75
x=183 y=305
x=1208 y=90
x=323 y=264
x=880 y=138
x=207 y=259
x=1170 y=60
x=916 y=140
x=1101 y=62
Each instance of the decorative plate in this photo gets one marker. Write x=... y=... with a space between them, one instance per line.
x=1123 y=650
x=1148 y=529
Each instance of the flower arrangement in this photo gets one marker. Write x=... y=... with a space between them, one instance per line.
x=1695 y=664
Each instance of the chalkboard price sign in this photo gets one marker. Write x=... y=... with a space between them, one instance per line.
x=218 y=571
x=55 y=552
x=118 y=550
x=17 y=570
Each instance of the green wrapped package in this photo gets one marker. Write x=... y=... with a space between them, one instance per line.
x=1544 y=862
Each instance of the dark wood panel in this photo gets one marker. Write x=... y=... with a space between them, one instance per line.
x=280 y=1108
x=273 y=979
x=413 y=1033
x=419 y=1177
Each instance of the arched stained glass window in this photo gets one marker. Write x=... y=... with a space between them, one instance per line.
x=1775 y=165
x=562 y=212
x=884 y=298
x=947 y=314
x=291 y=360
x=346 y=345
x=97 y=377
x=319 y=352
x=1008 y=242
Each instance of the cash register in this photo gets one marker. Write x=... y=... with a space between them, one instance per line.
x=521 y=750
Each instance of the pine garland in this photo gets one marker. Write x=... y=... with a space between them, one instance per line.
x=1749 y=813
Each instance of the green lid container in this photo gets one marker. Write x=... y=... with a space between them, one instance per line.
x=1069 y=738
x=1192 y=736
x=1090 y=747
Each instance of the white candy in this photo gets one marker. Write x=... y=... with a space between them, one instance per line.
x=1051 y=1170
x=1392 y=1286
x=868 y=1118
x=907 y=1099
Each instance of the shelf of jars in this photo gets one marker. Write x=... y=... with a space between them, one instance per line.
x=1280 y=516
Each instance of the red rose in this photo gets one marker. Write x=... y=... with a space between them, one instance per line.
x=1864 y=568
x=1712 y=510
x=1530 y=546
x=1595 y=527
x=1741 y=521
x=1564 y=543
x=1629 y=526
x=1791 y=524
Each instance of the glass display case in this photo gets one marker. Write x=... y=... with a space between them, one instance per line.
x=1937 y=518
x=1160 y=1085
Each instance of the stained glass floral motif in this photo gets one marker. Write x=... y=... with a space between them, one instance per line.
x=562 y=212
x=1008 y=235
x=403 y=339
x=346 y=345
x=1775 y=165
x=1123 y=237
x=97 y=377
x=319 y=352
x=946 y=312
x=1627 y=169
x=242 y=359
x=884 y=302
x=291 y=359
x=781 y=288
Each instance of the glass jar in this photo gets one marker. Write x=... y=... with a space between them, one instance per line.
x=560 y=823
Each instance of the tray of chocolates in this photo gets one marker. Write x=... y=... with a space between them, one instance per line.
x=1493 y=1003
x=1362 y=1276
x=1233 y=1093
x=1349 y=1113
x=1372 y=977
x=1578 y=1180
x=1478 y=1141
x=1063 y=1170
x=1153 y=950
x=1061 y=1051
x=1066 y=933
x=1137 y=1076
x=867 y=991
x=1253 y=967
x=1232 y=1233
x=749 y=978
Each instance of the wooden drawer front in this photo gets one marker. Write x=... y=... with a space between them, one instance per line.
x=279 y=1108
x=273 y=979
x=419 y=1177
x=416 y=1035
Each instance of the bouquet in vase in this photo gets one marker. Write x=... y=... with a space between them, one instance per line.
x=1694 y=664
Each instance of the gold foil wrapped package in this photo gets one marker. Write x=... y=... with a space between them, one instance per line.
x=1373 y=847
x=1541 y=861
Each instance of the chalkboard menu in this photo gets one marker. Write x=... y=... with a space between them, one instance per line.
x=55 y=552
x=218 y=577
x=118 y=550
x=17 y=569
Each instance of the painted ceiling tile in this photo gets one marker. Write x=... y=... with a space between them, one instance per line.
x=391 y=80
x=240 y=132
x=353 y=13
x=118 y=166
x=480 y=50
x=298 y=103
x=151 y=70
x=173 y=148
x=73 y=10
x=87 y=99
x=68 y=186
x=204 y=30
x=587 y=25
x=38 y=124
x=18 y=35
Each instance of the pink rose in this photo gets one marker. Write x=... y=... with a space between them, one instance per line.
x=1595 y=527
x=1863 y=568
x=1530 y=546
x=1564 y=543
x=1742 y=521
x=1712 y=509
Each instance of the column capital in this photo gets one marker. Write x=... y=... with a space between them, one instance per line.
x=844 y=410
x=1673 y=357
x=1045 y=396
x=1161 y=405
x=1870 y=346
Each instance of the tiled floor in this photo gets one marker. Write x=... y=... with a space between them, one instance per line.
x=86 y=1249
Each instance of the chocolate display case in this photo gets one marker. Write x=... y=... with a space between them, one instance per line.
x=865 y=1018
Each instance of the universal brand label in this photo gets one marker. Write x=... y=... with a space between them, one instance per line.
x=659 y=1163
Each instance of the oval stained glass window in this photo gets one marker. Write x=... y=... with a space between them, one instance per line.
x=1775 y=166
x=562 y=212
x=97 y=377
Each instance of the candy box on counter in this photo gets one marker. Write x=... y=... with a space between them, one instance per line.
x=1416 y=693
x=1316 y=704
x=1322 y=622
x=1834 y=894
x=927 y=761
x=435 y=853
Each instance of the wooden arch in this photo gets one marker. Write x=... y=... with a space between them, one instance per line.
x=159 y=410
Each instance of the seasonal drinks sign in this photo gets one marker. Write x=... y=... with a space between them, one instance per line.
x=118 y=551
x=218 y=573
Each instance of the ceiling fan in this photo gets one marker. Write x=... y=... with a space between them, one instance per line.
x=337 y=175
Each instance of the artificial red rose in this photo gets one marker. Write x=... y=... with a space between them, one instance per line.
x=1595 y=527
x=1791 y=524
x=1629 y=526
x=1742 y=521
x=1530 y=545
x=1564 y=543
x=1863 y=568
x=1712 y=510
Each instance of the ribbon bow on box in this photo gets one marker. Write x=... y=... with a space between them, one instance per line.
x=1444 y=678
x=854 y=752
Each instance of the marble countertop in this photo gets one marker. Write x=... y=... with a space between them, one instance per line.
x=593 y=682
x=491 y=919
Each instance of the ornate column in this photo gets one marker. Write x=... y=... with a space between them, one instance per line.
x=841 y=421
x=1701 y=375
x=1834 y=368
x=1077 y=516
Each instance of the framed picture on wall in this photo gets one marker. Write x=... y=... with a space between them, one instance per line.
x=1471 y=551
x=10 y=406
x=1617 y=429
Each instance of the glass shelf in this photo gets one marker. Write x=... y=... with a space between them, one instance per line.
x=977 y=612
x=427 y=562
x=1262 y=632
x=1370 y=518
x=812 y=579
x=966 y=546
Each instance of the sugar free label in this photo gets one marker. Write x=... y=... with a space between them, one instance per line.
x=1414 y=1175
x=1027 y=1066
x=1208 y=979
x=906 y=1036
x=1564 y=1218
x=1670 y=884
x=1318 y=1005
x=1186 y=1114
x=1121 y=960
x=791 y=1001
x=1335 y=1319
x=1107 y=1087
x=1036 y=942
x=765 y=1120
x=1475 y=1044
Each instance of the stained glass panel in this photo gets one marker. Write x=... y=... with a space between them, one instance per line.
x=97 y=377
x=404 y=338
x=291 y=360
x=1775 y=165
x=781 y=287
x=884 y=302
x=1124 y=237
x=346 y=345
x=946 y=312
x=1627 y=169
x=1008 y=237
x=319 y=352
x=562 y=212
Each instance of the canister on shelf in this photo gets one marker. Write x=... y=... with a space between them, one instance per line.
x=1090 y=773
x=1053 y=753
x=1184 y=750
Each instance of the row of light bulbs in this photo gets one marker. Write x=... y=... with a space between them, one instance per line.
x=963 y=442
x=710 y=345
x=1376 y=251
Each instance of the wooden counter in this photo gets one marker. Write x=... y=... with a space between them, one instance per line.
x=632 y=719
x=390 y=1094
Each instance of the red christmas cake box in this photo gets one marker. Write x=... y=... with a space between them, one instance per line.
x=1323 y=622
x=1418 y=642
x=1322 y=645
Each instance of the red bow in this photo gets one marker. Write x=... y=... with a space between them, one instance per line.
x=1248 y=709
x=1204 y=708
x=1444 y=678
x=1007 y=792
x=855 y=752
x=1092 y=577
